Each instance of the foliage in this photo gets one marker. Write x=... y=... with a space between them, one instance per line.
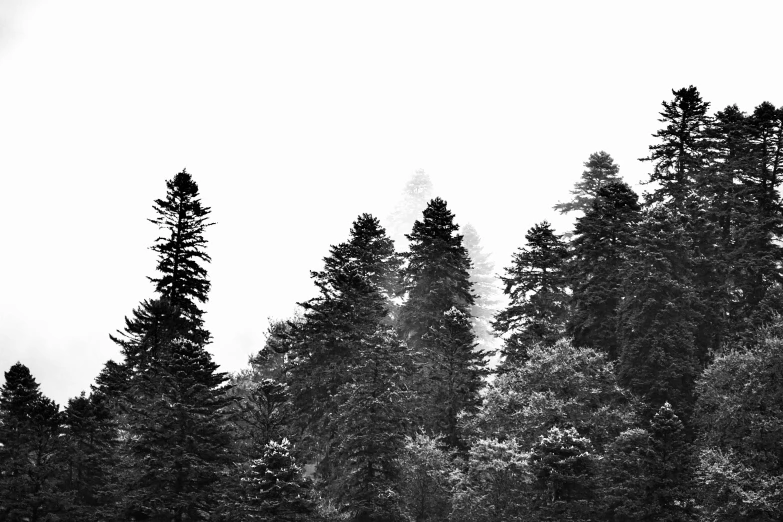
x=562 y=463
x=31 y=466
x=494 y=485
x=559 y=386
x=536 y=286
x=740 y=421
x=372 y=423
x=600 y=171
x=417 y=192
x=485 y=287
x=272 y=488
x=426 y=482
x=435 y=322
x=659 y=315
x=595 y=271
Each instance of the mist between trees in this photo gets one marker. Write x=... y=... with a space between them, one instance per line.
x=628 y=370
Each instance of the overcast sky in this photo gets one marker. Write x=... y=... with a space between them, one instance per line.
x=294 y=117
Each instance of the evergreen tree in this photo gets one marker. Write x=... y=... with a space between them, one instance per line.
x=90 y=451
x=273 y=488
x=485 y=287
x=30 y=456
x=372 y=423
x=536 y=285
x=417 y=192
x=647 y=475
x=682 y=161
x=682 y=155
x=599 y=253
x=563 y=467
x=624 y=485
x=183 y=280
x=435 y=321
x=601 y=170
x=355 y=287
x=660 y=314
x=179 y=441
x=169 y=400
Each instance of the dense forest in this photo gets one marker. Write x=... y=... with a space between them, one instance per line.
x=639 y=374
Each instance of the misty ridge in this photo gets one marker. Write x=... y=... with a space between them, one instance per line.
x=630 y=369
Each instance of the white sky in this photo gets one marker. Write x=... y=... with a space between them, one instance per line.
x=294 y=117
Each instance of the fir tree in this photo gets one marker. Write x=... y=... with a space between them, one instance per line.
x=179 y=440
x=181 y=255
x=599 y=252
x=647 y=474
x=485 y=286
x=670 y=472
x=536 y=285
x=683 y=152
x=30 y=456
x=169 y=400
x=90 y=451
x=563 y=467
x=372 y=423
x=435 y=321
x=417 y=192
x=273 y=488
x=355 y=287
x=660 y=314
x=601 y=170
x=682 y=161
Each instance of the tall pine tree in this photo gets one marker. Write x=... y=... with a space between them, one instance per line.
x=599 y=253
x=171 y=404
x=536 y=286
x=348 y=375
x=435 y=322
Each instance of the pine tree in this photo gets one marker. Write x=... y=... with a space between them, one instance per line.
x=670 y=472
x=563 y=466
x=372 y=423
x=682 y=155
x=647 y=474
x=485 y=287
x=601 y=170
x=660 y=314
x=179 y=440
x=273 y=488
x=355 y=289
x=435 y=322
x=169 y=400
x=90 y=451
x=599 y=252
x=181 y=255
x=30 y=458
x=417 y=192
x=682 y=161
x=536 y=285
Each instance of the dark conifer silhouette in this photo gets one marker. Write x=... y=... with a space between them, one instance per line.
x=599 y=253
x=536 y=286
x=600 y=171
x=435 y=322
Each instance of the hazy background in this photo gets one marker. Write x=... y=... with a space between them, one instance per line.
x=294 y=117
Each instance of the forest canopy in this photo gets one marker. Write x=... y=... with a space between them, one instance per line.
x=632 y=372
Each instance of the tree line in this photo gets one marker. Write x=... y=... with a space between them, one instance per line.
x=640 y=377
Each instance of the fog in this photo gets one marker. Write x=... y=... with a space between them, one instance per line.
x=296 y=117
